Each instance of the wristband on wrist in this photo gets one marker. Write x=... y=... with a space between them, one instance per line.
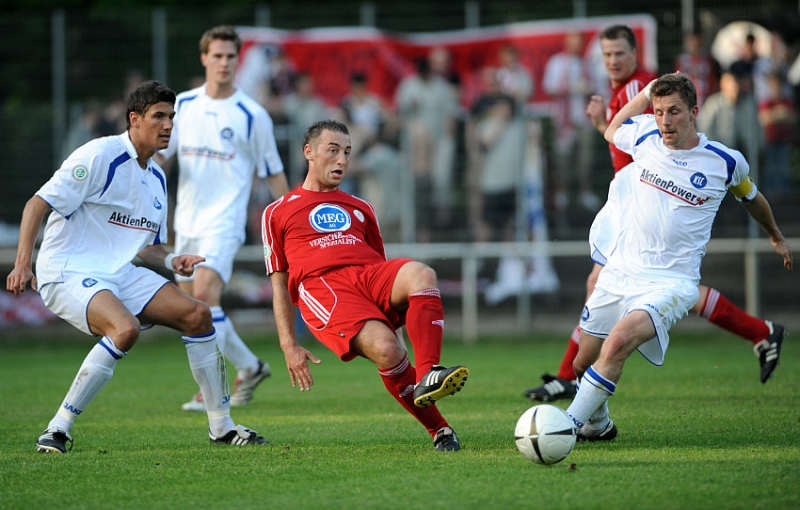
x=646 y=90
x=168 y=261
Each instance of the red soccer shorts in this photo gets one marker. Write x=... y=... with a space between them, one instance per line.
x=336 y=305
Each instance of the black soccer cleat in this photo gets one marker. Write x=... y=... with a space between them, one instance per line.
x=54 y=441
x=607 y=434
x=446 y=440
x=438 y=383
x=768 y=350
x=554 y=388
x=239 y=436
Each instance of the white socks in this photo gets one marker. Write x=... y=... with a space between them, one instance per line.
x=591 y=401
x=231 y=344
x=95 y=372
x=208 y=369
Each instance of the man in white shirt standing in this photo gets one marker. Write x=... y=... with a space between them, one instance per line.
x=109 y=203
x=222 y=137
x=679 y=178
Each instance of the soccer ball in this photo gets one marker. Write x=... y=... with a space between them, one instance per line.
x=545 y=434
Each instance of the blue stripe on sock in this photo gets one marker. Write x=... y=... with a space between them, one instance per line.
x=199 y=339
x=111 y=350
x=595 y=379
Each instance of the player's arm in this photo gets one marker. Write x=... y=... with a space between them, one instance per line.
x=32 y=216
x=157 y=255
x=278 y=185
x=296 y=356
x=636 y=106
x=760 y=210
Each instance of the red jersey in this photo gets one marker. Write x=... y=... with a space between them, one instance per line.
x=620 y=96
x=307 y=233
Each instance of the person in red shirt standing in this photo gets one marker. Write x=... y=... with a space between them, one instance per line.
x=620 y=56
x=324 y=253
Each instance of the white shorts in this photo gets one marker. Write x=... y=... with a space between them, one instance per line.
x=607 y=225
x=616 y=295
x=135 y=287
x=218 y=251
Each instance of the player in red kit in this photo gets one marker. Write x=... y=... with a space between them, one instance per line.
x=324 y=254
x=619 y=48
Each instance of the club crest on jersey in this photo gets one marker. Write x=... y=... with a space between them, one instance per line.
x=698 y=180
x=89 y=282
x=80 y=173
x=226 y=133
x=157 y=204
x=327 y=218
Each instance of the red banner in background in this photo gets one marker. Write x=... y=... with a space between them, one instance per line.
x=333 y=55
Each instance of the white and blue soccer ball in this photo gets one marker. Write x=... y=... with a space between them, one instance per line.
x=545 y=434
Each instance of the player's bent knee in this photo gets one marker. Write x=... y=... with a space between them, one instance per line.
x=124 y=334
x=198 y=320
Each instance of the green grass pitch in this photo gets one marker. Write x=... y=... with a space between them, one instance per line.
x=699 y=432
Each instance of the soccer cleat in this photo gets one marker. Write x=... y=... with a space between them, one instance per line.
x=243 y=388
x=239 y=436
x=768 y=350
x=196 y=404
x=438 y=383
x=608 y=433
x=446 y=440
x=554 y=388
x=53 y=441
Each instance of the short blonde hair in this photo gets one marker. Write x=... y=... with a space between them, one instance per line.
x=222 y=33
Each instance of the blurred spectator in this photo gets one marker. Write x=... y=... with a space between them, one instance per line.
x=303 y=107
x=379 y=171
x=264 y=72
x=778 y=116
x=366 y=116
x=696 y=63
x=112 y=120
x=731 y=117
x=428 y=107
x=84 y=126
x=568 y=82
x=742 y=68
x=513 y=77
x=496 y=136
x=777 y=61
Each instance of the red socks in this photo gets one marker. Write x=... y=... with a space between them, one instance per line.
x=425 y=326
x=723 y=313
x=399 y=381
x=565 y=371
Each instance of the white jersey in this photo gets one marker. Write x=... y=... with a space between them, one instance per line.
x=220 y=144
x=673 y=199
x=106 y=209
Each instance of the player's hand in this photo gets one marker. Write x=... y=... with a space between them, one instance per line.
x=596 y=111
x=18 y=279
x=184 y=264
x=784 y=251
x=297 y=363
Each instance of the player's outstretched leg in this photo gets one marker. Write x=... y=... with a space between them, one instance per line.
x=438 y=383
